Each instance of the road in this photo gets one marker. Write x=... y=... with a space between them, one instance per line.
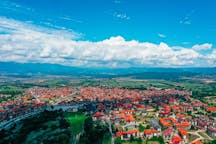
x=16 y=119
x=110 y=129
x=7 y=124
x=199 y=136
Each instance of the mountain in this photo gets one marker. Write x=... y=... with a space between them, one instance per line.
x=56 y=69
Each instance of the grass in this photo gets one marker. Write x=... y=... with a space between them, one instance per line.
x=76 y=121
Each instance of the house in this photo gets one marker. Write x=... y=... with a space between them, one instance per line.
x=100 y=107
x=176 y=140
x=193 y=122
x=167 y=122
x=149 y=109
x=155 y=125
x=143 y=112
x=211 y=109
x=183 y=133
x=201 y=124
x=180 y=117
x=197 y=142
x=98 y=116
x=211 y=131
x=127 y=111
x=128 y=134
x=130 y=119
x=167 y=134
x=184 y=125
x=149 y=133
x=139 y=107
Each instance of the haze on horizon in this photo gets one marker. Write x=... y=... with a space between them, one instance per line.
x=110 y=33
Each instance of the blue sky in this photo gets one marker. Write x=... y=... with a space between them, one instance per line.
x=165 y=33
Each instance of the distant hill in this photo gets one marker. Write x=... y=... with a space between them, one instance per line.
x=11 y=68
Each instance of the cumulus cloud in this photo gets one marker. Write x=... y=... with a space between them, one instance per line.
x=162 y=35
x=22 y=42
x=205 y=46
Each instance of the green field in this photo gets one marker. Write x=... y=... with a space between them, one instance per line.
x=76 y=121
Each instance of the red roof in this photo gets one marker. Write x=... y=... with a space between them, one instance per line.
x=150 y=131
x=213 y=109
x=2 y=110
x=100 y=107
x=139 y=106
x=182 y=132
x=176 y=139
x=197 y=142
x=183 y=124
x=98 y=114
x=167 y=131
x=180 y=116
x=118 y=134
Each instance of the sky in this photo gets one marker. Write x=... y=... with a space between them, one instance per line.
x=109 y=33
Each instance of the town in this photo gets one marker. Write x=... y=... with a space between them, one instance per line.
x=165 y=115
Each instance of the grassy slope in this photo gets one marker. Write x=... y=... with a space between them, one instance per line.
x=76 y=121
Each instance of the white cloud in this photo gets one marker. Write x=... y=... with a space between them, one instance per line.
x=162 y=35
x=187 y=19
x=187 y=22
x=22 y=42
x=117 y=1
x=122 y=16
x=67 y=18
x=205 y=46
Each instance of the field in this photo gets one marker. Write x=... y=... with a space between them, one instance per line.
x=76 y=121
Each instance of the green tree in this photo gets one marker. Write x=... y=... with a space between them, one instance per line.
x=141 y=128
x=161 y=140
x=211 y=142
x=148 y=127
x=118 y=141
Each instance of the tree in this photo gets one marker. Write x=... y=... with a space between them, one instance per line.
x=161 y=140
x=88 y=124
x=131 y=138
x=63 y=138
x=118 y=141
x=212 y=142
x=189 y=112
x=148 y=127
x=64 y=123
x=139 y=140
x=141 y=128
x=192 y=127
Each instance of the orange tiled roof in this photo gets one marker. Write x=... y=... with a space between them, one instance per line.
x=127 y=111
x=176 y=139
x=118 y=134
x=129 y=118
x=213 y=109
x=183 y=124
x=197 y=142
x=150 y=131
x=180 y=115
x=167 y=122
x=183 y=132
